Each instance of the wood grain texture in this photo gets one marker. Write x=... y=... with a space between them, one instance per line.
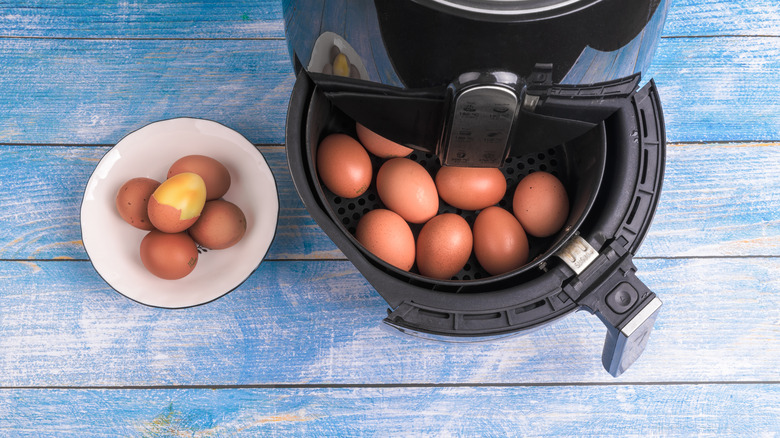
x=156 y=19
x=619 y=411
x=717 y=200
x=82 y=91
x=718 y=89
x=263 y=19
x=733 y=17
x=41 y=188
x=298 y=349
x=96 y=91
x=318 y=322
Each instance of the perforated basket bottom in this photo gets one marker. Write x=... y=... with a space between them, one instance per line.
x=349 y=211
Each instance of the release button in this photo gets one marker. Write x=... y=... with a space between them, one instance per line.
x=622 y=298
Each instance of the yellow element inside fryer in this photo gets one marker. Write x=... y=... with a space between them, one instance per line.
x=186 y=192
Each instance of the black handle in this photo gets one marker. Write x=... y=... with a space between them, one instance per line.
x=626 y=342
x=622 y=302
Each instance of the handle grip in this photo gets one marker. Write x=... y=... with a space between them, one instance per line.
x=622 y=302
x=626 y=340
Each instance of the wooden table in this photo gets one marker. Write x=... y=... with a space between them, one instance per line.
x=298 y=349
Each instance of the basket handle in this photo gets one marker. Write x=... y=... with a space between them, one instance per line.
x=623 y=303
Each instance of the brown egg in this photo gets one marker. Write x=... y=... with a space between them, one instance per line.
x=500 y=244
x=380 y=146
x=214 y=173
x=132 y=200
x=176 y=204
x=221 y=225
x=344 y=165
x=470 y=188
x=405 y=187
x=443 y=246
x=168 y=255
x=541 y=204
x=387 y=235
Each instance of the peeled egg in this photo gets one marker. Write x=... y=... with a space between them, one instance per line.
x=443 y=246
x=168 y=255
x=541 y=204
x=221 y=225
x=470 y=188
x=380 y=146
x=215 y=175
x=341 y=65
x=132 y=200
x=176 y=204
x=405 y=187
x=387 y=235
x=344 y=165
x=500 y=244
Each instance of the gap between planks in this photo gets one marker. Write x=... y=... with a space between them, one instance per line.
x=392 y=385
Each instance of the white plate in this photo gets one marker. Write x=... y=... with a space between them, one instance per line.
x=113 y=245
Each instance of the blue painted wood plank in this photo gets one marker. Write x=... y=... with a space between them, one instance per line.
x=719 y=89
x=41 y=188
x=717 y=200
x=318 y=322
x=263 y=19
x=96 y=91
x=723 y=17
x=246 y=84
x=583 y=411
x=149 y=19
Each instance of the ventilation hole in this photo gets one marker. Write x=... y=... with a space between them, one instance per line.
x=413 y=157
x=371 y=197
x=355 y=216
x=520 y=166
x=342 y=210
x=550 y=151
x=366 y=210
x=633 y=210
x=531 y=306
x=467 y=277
x=345 y=221
x=432 y=314
x=540 y=156
x=481 y=316
x=351 y=206
x=508 y=160
x=644 y=122
x=423 y=163
x=337 y=200
x=644 y=167
x=510 y=171
x=361 y=201
x=543 y=167
x=530 y=161
x=477 y=275
x=467 y=267
x=553 y=163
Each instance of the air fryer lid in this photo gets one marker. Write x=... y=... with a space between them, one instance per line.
x=535 y=61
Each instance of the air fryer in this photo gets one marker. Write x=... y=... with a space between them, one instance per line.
x=568 y=71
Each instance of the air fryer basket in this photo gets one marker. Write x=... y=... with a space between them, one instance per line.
x=613 y=175
x=578 y=164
